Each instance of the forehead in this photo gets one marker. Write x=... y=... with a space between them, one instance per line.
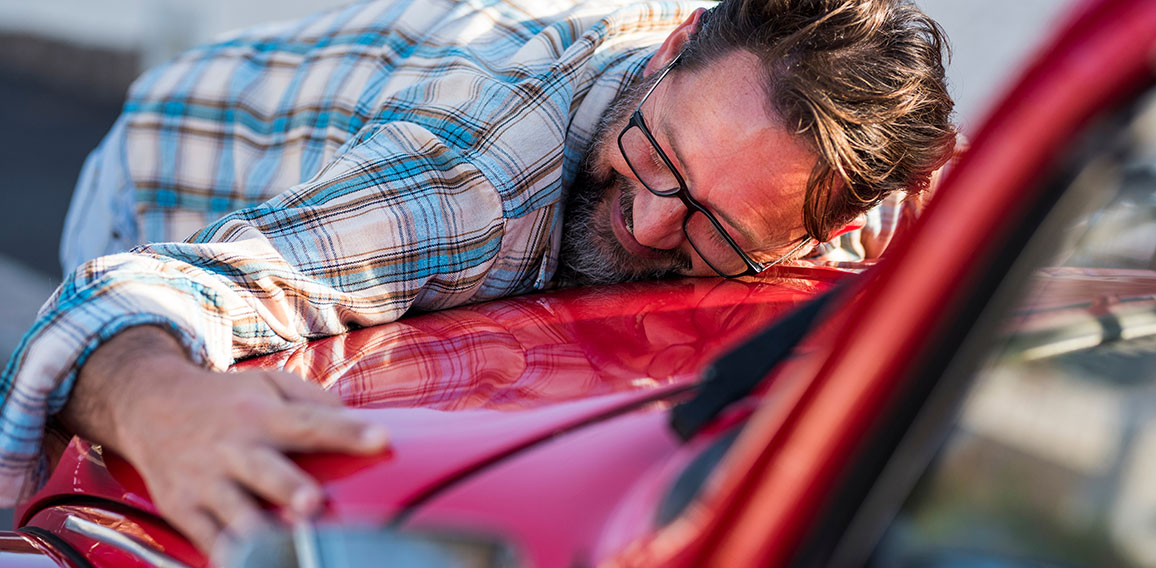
x=738 y=157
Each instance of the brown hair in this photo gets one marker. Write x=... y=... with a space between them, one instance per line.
x=863 y=80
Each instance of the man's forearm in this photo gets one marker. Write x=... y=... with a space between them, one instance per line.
x=141 y=357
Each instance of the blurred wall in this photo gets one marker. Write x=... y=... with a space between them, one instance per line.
x=159 y=28
x=991 y=41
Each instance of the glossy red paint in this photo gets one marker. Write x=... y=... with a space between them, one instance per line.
x=581 y=498
x=464 y=389
x=430 y=449
x=556 y=523
x=798 y=449
x=593 y=493
x=510 y=354
x=143 y=530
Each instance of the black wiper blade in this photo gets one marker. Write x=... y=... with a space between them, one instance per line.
x=736 y=374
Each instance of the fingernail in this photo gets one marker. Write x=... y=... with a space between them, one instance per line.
x=374 y=436
x=304 y=501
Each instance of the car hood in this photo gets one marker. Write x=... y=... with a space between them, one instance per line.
x=461 y=389
x=513 y=415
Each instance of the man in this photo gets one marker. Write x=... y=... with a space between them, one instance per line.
x=396 y=156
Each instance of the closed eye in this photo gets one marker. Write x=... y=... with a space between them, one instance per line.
x=656 y=160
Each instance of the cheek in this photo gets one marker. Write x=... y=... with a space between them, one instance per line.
x=698 y=267
x=603 y=158
x=623 y=171
x=611 y=162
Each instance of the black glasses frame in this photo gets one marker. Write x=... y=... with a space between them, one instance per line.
x=682 y=192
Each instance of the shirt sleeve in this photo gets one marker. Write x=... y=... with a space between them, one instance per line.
x=400 y=221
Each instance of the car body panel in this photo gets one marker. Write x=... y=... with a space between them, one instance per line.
x=588 y=486
x=73 y=525
x=523 y=371
x=983 y=199
x=607 y=481
x=556 y=523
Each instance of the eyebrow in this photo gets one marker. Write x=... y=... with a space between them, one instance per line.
x=668 y=133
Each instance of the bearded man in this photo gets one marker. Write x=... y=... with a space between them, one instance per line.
x=396 y=155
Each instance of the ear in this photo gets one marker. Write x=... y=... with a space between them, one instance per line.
x=673 y=43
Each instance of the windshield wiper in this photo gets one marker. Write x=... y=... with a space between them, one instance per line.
x=736 y=374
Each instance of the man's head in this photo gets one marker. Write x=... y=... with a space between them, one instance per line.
x=786 y=119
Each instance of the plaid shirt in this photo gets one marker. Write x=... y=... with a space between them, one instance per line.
x=378 y=158
x=389 y=156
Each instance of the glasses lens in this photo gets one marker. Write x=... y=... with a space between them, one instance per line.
x=644 y=160
x=704 y=236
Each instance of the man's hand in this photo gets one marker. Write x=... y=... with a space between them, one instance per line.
x=208 y=444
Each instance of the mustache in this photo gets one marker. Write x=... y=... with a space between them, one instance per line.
x=590 y=252
x=625 y=200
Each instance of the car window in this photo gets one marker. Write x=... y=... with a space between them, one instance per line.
x=1052 y=461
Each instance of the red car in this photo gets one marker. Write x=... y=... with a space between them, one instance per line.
x=984 y=396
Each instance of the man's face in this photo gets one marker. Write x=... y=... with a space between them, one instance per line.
x=736 y=158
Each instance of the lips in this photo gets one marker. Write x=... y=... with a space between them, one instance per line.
x=623 y=234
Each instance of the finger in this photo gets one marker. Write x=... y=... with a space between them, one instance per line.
x=275 y=478
x=295 y=388
x=198 y=526
x=234 y=509
x=309 y=427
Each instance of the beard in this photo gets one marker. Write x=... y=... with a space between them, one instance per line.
x=590 y=252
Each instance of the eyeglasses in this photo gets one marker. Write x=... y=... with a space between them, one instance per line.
x=704 y=232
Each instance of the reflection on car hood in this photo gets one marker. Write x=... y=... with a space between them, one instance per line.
x=543 y=349
x=464 y=387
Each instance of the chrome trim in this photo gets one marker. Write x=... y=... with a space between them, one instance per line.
x=105 y=535
x=305 y=543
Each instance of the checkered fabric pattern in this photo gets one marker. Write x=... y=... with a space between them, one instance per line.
x=336 y=172
x=384 y=156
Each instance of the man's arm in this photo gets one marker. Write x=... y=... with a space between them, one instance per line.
x=231 y=430
x=399 y=220
x=344 y=250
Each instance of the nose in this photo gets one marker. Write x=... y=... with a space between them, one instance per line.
x=658 y=220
